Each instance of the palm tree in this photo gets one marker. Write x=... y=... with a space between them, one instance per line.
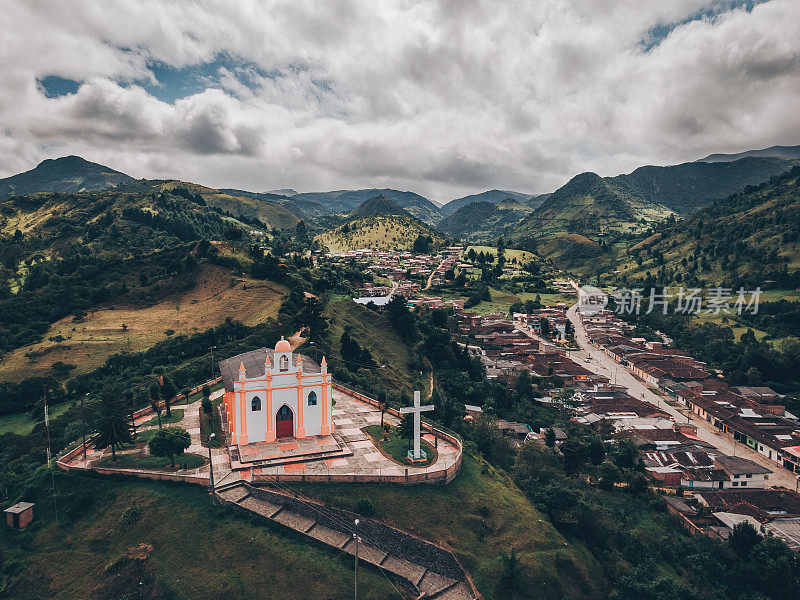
x=112 y=423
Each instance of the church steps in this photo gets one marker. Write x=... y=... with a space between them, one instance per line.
x=367 y=552
x=300 y=458
x=433 y=583
x=324 y=524
x=459 y=590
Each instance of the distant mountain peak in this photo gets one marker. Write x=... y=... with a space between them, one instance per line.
x=66 y=174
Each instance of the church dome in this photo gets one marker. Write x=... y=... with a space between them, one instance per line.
x=283 y=346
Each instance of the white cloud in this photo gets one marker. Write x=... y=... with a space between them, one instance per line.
x=444 y=98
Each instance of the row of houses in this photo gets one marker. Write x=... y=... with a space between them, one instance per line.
x=751 y=415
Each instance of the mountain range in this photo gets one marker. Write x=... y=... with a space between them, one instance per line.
x=774 y=151
x=587 y=208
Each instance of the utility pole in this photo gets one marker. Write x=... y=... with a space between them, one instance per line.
x=83 y=426
x=355 y=535
x=211 y=437
x=212 y=361
x=49 y=456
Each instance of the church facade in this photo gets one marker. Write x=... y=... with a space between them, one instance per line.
x=275 y=394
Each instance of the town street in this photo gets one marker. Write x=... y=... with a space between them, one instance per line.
x=603 y=364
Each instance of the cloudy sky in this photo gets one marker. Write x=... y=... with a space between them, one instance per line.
x=442 y=98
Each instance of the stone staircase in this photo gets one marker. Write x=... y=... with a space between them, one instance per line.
x=429 y=570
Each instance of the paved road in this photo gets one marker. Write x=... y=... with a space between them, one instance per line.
x=604 y=365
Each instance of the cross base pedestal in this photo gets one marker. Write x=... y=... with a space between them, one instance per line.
x=421 y=458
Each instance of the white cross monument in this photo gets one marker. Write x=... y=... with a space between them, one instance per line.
x=418 y=453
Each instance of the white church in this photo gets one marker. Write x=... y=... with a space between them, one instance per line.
x=275 y=394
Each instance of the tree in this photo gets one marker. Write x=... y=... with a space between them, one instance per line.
x=233 y=234
x=207 y=407
x=169 y=442
x=112 y=423
x=155 y=392
x=168 y=392
x=743 y=539
x=382 y=404
x=511 y=575
x=407 y=428
x=550 y=437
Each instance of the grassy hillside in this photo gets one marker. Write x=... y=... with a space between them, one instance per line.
x=481 y=515
x=373 y=332
x=385 y=232
x=197 y=552
x=68 y=174
x=483 y=220
x=749 y=238
x=113 y=328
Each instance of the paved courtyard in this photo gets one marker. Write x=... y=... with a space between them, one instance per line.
x=348 y=451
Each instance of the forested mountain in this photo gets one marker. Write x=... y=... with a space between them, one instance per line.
x=773 y=151
x=748 y=238
x=687 y=187
x=68 y=174
x=490 y=196
x=344 y=201
x=377 y=206
x=479 y=221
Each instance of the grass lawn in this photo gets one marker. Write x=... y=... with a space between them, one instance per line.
x=23 y=424
x=175 y=417
x=198 y=552
x=132 y=461
x=216 y=423
x=398 y=448
x=481 y=515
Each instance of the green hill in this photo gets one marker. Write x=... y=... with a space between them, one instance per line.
x=345 y=201
x=590 y=204
x=490 y=196
x=68 y=174
x=748 y=238
x=380 y=232
x=378 y=206
x=478 y=221
x=263 y=207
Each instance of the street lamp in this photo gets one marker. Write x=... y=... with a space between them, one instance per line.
x=211 y=437
x=212 y=361
x=355 y=535
x=83 y=425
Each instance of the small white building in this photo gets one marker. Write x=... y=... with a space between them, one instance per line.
x=274 y=394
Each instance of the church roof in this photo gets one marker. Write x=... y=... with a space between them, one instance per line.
x=254 y=365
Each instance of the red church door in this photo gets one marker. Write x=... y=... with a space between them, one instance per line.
x=284 y=423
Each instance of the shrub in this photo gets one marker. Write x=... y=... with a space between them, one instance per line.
x=365 y=507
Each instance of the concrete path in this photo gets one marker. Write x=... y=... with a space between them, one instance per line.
x=429 y=570
x=603 y=364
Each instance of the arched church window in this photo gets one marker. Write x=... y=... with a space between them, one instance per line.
x=256 y=403
x=312 y=399
x=284 y=363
